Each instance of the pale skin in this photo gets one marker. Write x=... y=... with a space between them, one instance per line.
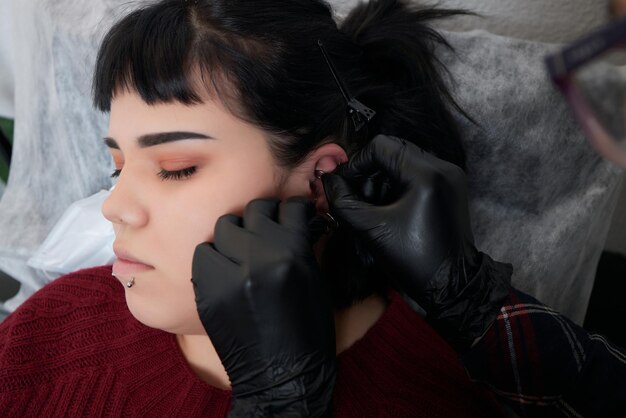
x=160 y=222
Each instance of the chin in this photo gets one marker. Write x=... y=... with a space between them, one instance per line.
x=166 y=318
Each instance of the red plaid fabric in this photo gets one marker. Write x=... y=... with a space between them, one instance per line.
x=540 y=364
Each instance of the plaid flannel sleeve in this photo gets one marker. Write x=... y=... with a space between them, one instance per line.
x=540 y=364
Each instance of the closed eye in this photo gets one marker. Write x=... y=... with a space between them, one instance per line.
x=177 y=175
x=168 y=175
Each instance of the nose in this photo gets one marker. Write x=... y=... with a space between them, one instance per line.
x=124 y=206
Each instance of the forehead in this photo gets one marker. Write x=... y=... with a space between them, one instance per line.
x=128 y=110
x=131 y=118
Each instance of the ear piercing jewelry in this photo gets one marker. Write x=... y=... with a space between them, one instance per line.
x=331 y=223
x=318 y=175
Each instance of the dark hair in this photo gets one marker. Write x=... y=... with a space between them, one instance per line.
x=261 y=59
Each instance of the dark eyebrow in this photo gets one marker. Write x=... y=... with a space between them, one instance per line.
x=150 y=140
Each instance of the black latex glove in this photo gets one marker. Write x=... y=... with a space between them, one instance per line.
x=410 y=210
x=262 y=302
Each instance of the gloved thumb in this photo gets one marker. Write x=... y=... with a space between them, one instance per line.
x=344 y=201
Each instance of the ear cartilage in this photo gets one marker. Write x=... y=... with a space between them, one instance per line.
x=319 y=174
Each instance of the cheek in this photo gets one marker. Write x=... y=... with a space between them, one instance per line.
x=192 y=217
x=187 y=222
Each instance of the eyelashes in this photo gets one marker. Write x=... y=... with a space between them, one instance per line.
x=168 y=175
x=177 y=175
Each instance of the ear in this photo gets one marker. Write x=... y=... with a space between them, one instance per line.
x=304 y=179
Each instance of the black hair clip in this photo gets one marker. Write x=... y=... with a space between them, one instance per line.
x=359 y=113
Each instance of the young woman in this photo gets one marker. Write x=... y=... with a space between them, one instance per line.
x=216 y=106
x=220 y=113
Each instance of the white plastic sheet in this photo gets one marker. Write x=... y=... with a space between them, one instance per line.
x=58 y=153
x=82 y=238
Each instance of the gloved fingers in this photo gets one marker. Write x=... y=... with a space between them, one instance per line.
x=230 y=238
x=339 y=193
x=381 y=153
x=212 y=274
x=378 y=189
x=396 y=157
x=260 y=215
x=374 y=187
x=295 y=214
x=318 y=226
x=344 y=201
x=217 y=285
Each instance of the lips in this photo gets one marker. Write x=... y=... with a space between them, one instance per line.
x=124 y=255
x=127 y=264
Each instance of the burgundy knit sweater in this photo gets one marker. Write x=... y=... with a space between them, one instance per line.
x=74 y=349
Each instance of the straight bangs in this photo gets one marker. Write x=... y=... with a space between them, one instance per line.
x=165 y=55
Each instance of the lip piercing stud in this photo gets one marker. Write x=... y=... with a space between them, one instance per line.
x=130 y=283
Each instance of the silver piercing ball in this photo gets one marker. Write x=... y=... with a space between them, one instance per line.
x=130 y=283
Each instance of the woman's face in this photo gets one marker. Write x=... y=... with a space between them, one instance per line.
x=160 y=221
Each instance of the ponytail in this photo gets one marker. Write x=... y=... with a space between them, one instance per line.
x=406 y=80
x=405 y=86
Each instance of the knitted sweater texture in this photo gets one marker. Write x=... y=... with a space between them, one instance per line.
x=74 y=349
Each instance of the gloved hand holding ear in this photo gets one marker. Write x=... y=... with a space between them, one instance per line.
x=410 y=209
x=262 y=302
